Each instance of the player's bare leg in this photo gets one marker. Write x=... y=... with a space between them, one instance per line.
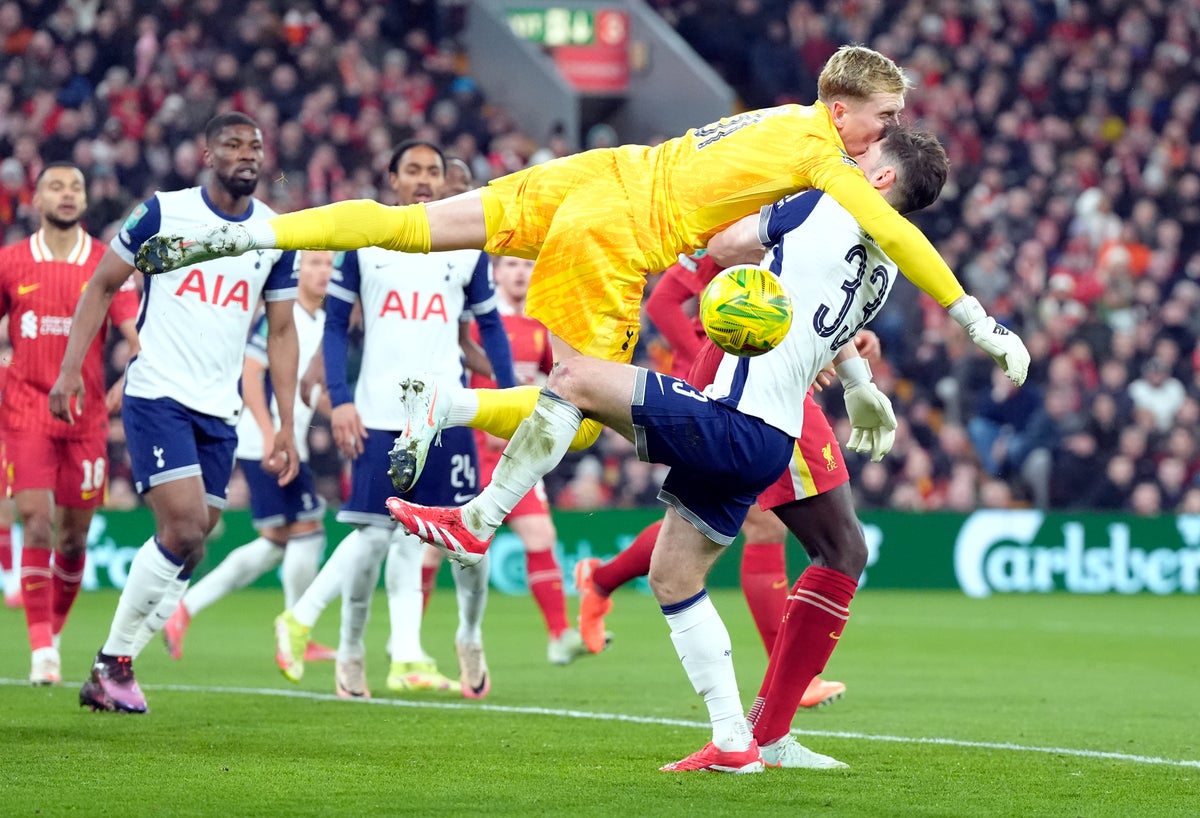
x=458 y=222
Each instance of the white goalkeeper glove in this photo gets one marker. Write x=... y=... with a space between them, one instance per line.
x=1005 y=347
x=872 y=421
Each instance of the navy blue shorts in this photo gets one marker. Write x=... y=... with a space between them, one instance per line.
x=720 y=458
x=450 y=476
x=273 y=505
x=167 y=441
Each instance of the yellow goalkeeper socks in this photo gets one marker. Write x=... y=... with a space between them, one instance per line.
x=501 y=411
x=589 y=431
x=353 y=224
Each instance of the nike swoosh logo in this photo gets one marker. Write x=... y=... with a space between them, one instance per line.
x=432 y=404
x=834 y=635
x=780 y=584
x=35 y=586
x=462 y=498
x=88 y=495
x=25 y=289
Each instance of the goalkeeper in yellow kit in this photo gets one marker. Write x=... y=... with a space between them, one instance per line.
x=598 y=222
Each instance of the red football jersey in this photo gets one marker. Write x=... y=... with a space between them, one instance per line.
x=39 y=295
x=532 y=356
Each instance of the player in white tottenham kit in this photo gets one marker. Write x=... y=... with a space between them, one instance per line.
x=730 y=441
x=413 y=309
x=181 y=390
x=289 y=519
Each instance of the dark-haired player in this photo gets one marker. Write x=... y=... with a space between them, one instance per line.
x=181 y=391
x=57 y=470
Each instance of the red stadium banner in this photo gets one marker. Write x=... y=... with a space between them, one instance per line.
x=590 y=47
x=601 y=67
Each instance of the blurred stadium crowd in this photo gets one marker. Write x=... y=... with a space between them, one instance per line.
x=1073 y=208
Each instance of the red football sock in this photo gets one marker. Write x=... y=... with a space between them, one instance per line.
x=815 y=615
x=6 y=551
x=546 y=585
x=428 y=580
x=36 y=592
x=630 y=564
x=765 y=585
x=66 y=577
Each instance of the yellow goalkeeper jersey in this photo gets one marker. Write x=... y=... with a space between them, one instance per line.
x=598 y=222
x=713 y=175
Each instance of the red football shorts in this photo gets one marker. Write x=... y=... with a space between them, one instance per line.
x=75 y=470
x=817 y=462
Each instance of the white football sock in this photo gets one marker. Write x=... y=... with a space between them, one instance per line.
x=261 y=233
x=402 y=577
x=358 y=586
x=157 y=619
x=327 y=585
x=301 y=559
x=150 y=578
x=12 y=582
x=471 y=586
x=464 y=406
x=242 y=566
x=536 y=447
x=703 y=645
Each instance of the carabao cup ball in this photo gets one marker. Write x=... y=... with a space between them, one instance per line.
x=746 y=311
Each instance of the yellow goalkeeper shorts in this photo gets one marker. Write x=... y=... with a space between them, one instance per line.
x=574 y=216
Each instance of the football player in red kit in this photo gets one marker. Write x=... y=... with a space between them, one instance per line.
x=57 y=471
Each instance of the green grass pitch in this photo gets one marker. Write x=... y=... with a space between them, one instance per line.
x=1051 y=705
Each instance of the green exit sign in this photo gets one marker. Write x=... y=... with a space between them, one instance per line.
x=553 y=26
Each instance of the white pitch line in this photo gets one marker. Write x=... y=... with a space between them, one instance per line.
x=624 y=717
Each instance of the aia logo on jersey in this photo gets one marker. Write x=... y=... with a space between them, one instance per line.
x=414 y=307
x=216 y=291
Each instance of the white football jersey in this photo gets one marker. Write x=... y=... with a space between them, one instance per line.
x=837 y=278
x=309 y=329
x=194 y=321
x=412 y=306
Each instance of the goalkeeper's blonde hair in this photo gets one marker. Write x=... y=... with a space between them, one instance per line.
x=857 y=72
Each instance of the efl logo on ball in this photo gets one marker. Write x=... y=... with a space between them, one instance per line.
x=746 y=311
